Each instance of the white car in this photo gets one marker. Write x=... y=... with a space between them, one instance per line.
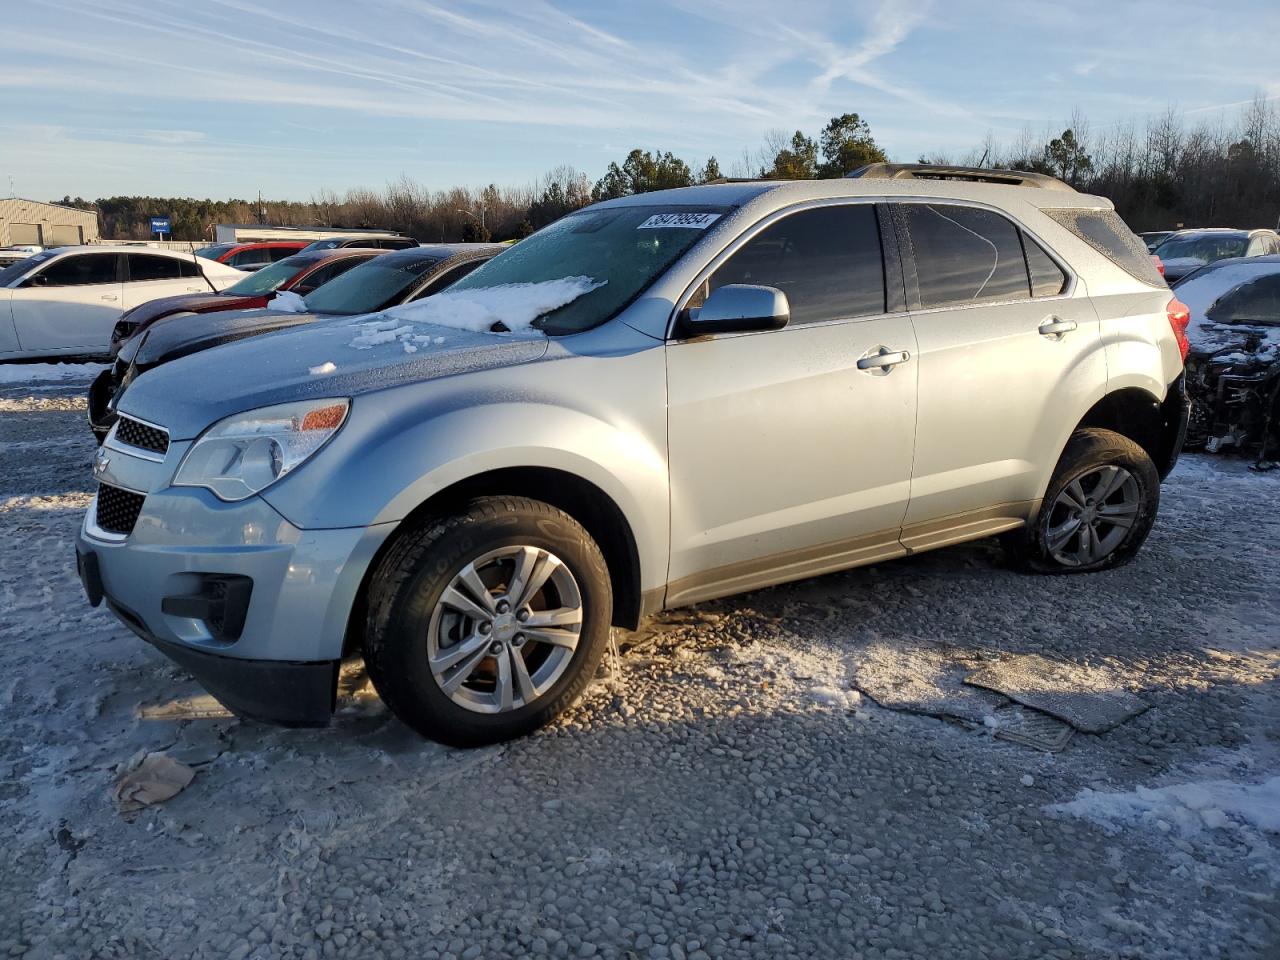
x=67 y=300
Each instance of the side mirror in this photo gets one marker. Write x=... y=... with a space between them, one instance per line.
x=39 y=280
x=739 y=308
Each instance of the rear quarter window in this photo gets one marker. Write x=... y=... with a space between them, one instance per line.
x=1110 y=236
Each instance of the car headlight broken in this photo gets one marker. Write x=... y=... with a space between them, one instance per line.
x=246 y=453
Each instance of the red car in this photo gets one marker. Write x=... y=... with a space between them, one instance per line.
x=251 y=256
x=301 y=273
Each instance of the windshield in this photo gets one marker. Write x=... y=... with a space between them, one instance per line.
x=15 y=270
x=1204 y=247
x=268 y=279
x=214 y=252
x=371 y=286
x=621 y=250
x=1257 y=301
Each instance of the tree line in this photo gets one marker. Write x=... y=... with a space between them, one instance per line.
x=1218 y=172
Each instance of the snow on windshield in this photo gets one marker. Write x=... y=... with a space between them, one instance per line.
x=515 y=306
x=286 y=301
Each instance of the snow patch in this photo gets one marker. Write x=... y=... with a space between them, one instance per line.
x=515 y=305
x=327 y=367
x=373 y=334
x=34 y=372
x=286 y=301
x=1201 y=809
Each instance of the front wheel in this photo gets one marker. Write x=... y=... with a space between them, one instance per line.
x=1100 y=505
x=487 y=624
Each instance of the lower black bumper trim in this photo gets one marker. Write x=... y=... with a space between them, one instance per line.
x=286 y=693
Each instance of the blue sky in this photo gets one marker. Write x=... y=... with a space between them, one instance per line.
x=226 y=97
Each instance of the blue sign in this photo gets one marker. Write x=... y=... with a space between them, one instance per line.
x=161 y=225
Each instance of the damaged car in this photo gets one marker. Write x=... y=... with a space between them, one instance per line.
x=657 y=400
x=1189 y=250
x=1233 y=367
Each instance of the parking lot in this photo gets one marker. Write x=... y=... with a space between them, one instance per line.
x=728 y=788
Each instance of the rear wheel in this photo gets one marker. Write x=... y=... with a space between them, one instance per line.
x=487 y=624
x=1100 y=505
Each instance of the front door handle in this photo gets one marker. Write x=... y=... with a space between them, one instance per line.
x=883 y=359
x=107 y=296
x=1055 y=328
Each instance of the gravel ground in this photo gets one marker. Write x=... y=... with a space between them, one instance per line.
x=724 y=791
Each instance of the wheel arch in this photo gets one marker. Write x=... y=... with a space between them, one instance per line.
x=583 y=500
x=1143 y=417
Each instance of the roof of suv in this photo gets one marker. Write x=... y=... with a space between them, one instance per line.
x=781 y=193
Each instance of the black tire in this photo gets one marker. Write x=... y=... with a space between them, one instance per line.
x=410 y=581
x=1088 y=450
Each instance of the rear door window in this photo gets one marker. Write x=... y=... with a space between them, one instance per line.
x=251 y=258
x=1110 y=236
x=79 y=270
x=318 y=278
x=447 y=279
x=827 y=260
x=964 y=255
x=144 y=266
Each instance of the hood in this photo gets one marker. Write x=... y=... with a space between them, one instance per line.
x=175 y=337
x=320 y=359
x=153 y=310
x=1256 y=341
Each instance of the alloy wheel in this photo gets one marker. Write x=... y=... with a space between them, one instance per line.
x=1092 y=515
x=505 y=629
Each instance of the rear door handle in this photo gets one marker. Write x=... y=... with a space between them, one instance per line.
x=109 y=297
x=1055 y=328
x=883 y=359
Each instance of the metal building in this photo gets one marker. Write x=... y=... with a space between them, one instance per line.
x=45 y=224
x=260 y=233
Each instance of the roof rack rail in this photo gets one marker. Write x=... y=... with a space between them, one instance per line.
x=929 y=171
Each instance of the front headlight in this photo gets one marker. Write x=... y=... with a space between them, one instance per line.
x=246 y=453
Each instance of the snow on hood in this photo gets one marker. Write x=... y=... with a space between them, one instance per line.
x=514 y=305
x=286 y=301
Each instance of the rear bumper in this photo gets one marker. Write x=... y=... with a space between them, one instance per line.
x=1175 y=413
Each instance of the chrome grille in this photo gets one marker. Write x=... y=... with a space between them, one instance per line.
x=135 y=433
x=118 y=509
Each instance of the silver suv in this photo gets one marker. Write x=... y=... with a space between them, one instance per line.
x=654 y=401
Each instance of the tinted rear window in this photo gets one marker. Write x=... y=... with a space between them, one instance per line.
x=1110 y=236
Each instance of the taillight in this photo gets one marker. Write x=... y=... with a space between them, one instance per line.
x=1159 y=264
x=1179 y=318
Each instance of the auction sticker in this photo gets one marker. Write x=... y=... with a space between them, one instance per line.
x=690 y=221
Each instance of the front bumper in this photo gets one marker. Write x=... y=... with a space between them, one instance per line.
x=255 y=608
